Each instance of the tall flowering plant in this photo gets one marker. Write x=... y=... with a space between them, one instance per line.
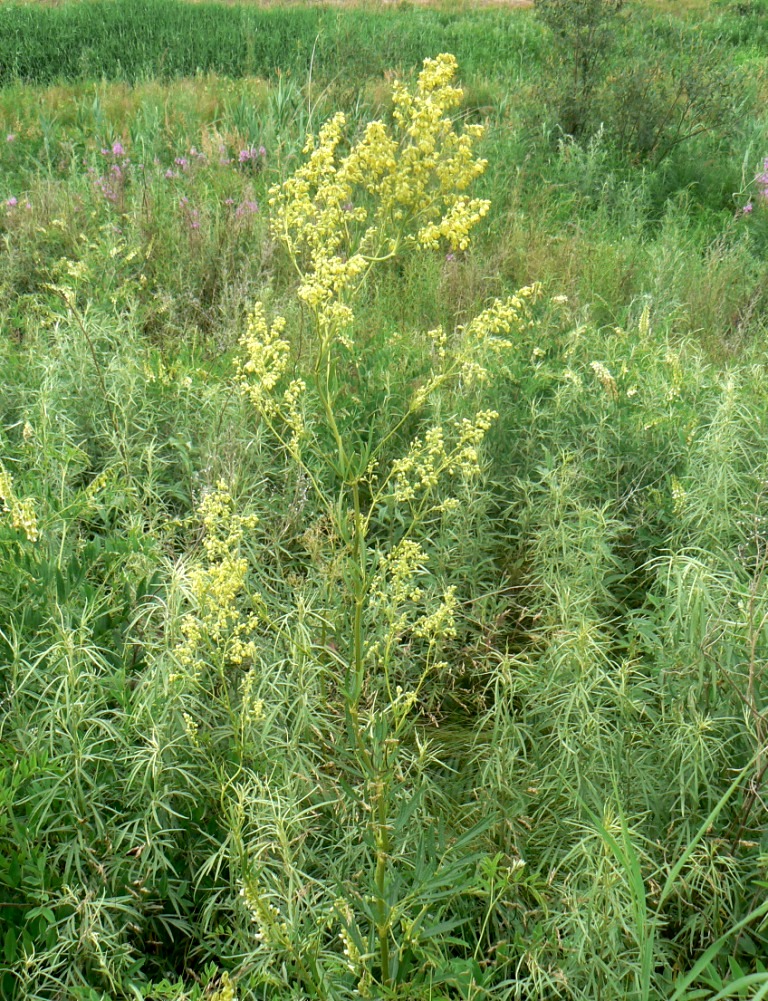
x=344 y=212
x=339 y=216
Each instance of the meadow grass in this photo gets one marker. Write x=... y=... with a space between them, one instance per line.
x=139 y=39
x=571 y=804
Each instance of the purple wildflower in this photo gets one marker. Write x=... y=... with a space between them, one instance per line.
x=246 y=208
x=11 y=137
x=12 y=202
x=250 y=154
x=181 y=161
x=117 y=148
x=109 y=192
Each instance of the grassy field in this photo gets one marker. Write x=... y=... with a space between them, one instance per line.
x=383 y=592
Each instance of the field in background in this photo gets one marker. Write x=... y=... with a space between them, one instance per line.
x=681 y=7
x=571 y=806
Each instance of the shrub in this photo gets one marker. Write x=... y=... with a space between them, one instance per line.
x=682 y=87
x=583 y=31
x=648 y=88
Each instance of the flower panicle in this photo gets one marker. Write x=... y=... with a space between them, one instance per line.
x=266 y=362
x=21 y=509
x=344 y=208
x=217 y=587
x=429 y=459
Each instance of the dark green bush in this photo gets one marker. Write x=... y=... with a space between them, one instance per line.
x=648 y=85
x=583 y=31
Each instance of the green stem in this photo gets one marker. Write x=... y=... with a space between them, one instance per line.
x=325 y=395
x=359 y=556
x=382 y=853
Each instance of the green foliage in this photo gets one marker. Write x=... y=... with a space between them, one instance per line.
x=235 y=759
x=137 y=39
x=583 y=31
x=682 y=87
x=649 y=88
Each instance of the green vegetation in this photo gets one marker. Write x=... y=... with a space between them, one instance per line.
x=142 y=39
x=403 y=636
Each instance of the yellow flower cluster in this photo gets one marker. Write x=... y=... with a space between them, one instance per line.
x=98 y=483
x=267 y=359
x=268 y=355
x=605 y=377
x=192 y=728
x=676 y=373
x=226 y=990
x=441 y=623
x=416 y=474
x=351 y=952
x=486 y=336
x=679 y=495
x=217 y=586
x=394 y=581
x=338 y=213
x=270 y=926
x=395 y=587
x=436 y=163
x=252 y=707
x=21 y=510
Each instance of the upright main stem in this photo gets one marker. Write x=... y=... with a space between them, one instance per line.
x=373 y=761
x=359 y=557
x=382 y=855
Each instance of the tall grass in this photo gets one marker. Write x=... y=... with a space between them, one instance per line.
x=140 y=39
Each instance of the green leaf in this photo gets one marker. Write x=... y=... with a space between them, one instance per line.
x=9 y=945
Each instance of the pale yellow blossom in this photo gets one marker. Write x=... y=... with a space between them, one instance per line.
x=21 y=509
